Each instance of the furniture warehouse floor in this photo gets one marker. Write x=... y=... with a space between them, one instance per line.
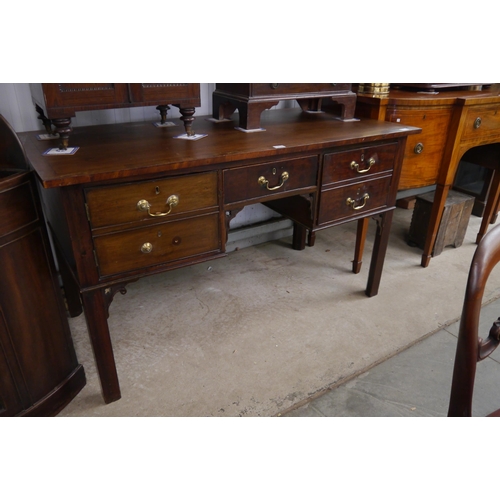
x=297 y=337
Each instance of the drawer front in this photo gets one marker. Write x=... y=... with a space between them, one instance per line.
x=357 y=163
x=482 y=121
x=353 y=200
x=265 y=89
x=60 y=95
x=119 y=204
x=168 y=92
x=424 y=151
x=136 y=249
x=268 y=180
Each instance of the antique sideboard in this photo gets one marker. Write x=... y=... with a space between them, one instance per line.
x=456 y=125
x=134 y=201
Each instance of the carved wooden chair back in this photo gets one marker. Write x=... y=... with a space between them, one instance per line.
x=470 y=347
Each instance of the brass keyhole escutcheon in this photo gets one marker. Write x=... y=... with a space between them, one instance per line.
x=274 y=85
x=418 y=148
x=146 y=248
x=477 y=122
x=177 y=240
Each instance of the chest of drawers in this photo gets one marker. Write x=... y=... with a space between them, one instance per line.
x=251 y=99
x=57 y=103
x=134 y=201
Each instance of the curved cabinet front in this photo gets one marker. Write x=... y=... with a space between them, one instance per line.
x=39 y=371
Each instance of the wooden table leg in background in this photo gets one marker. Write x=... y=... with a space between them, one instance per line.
x=491 y=205
x=436 y=214
x=96 y=314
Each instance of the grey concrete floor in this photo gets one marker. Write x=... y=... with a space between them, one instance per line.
x=267 y=330
x=414 y=383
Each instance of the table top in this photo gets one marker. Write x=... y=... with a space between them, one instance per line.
x=122 y=151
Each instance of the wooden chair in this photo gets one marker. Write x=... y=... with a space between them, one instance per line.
x=470 y=347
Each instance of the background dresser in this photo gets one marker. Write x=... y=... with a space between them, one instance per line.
x=456 y=124
x=251 y=99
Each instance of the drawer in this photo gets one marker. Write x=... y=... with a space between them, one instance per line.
x=136 y=249
x=356 y=163
x=353 y=200
x=108 y=206
x=168 y=92
x=268 y=180
x=265 y=89
x=482 y=121
x=424 y=151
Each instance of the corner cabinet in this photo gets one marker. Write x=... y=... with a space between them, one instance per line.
x=57 y=103
x=39 y=371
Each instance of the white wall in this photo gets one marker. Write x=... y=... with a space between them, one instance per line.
x=18 y=109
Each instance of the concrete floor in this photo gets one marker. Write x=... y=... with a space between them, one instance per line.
x=271 y=331
x=414 y=383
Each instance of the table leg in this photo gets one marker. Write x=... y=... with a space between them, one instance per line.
x=378 y=254
x=311 y=238
x=95 y=308
x=299 y=237
x=436 y=214
x=491 y=207
x=360 y=244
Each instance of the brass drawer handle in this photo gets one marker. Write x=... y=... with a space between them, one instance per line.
x=143 y=205
x=146 y=248
x=369 y=163
x=477 y=122
x=264 y=182
x=274 y=85
x=418 y=148
x=350 y=202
